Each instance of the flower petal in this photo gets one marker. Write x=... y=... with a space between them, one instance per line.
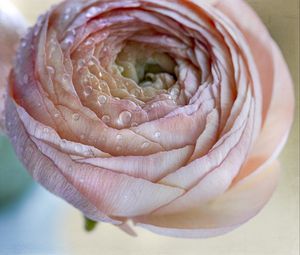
x=227 y=212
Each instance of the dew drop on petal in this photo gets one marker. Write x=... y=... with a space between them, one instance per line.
x=145 y=145
x=25 y=78
x=88 y=91
x=76 y=116
x=89 y=42
x=66 y=77
x=68 y=41
x=91 y=12
x=77 y=148
x=119 y=137
x=125 y=117
x=66 y=16
x=51 y=70
x=102 y=99
x=80 y=64
x=157 y=134
x=23 y=43
x=106 y=118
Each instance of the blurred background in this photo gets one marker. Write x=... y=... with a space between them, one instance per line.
x=32 y=221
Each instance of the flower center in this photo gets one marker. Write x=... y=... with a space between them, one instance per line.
x=147 y=66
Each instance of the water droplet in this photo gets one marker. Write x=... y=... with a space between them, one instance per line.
x=89 y=42
x=51 y=70
x=68 y=10
x=102 y=99
x=80 y=64
x=174 y=92
x=125 y=117
x=77 y=148
x=154 y=105
x=25 y=78
x=145 y=145
x=23 y=43
x=106 y=118
x=100 y=74
x=157 y=134
x=36 y=31
x=76 y=116
x=91 y=12
x=56 y=115
x=119 y=137
x=86 y=80
x=65 y=77
x=88 y=91
x=66 y=16
x=68 y=41
x=134 y=124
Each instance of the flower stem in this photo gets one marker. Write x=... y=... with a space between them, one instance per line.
x=89 y=224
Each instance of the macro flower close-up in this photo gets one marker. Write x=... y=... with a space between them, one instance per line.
x=162 y=115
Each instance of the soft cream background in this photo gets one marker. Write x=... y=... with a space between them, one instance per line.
x=275 y=231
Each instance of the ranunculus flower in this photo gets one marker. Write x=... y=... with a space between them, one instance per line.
x=167 y=113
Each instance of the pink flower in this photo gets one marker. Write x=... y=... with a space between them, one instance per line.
x=167 y=113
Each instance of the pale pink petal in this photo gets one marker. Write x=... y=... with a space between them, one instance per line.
x=277 y=89
x=45 y=171
x=227 y=212
x=188 y=175
x=111 y=193
x=217 y=179
x=152 y=167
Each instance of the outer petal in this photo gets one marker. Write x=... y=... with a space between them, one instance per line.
x=277 y=89
x=86 y=188
x=44 y=170
x=230 y=210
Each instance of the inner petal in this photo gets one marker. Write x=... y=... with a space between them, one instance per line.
x=151 y=69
